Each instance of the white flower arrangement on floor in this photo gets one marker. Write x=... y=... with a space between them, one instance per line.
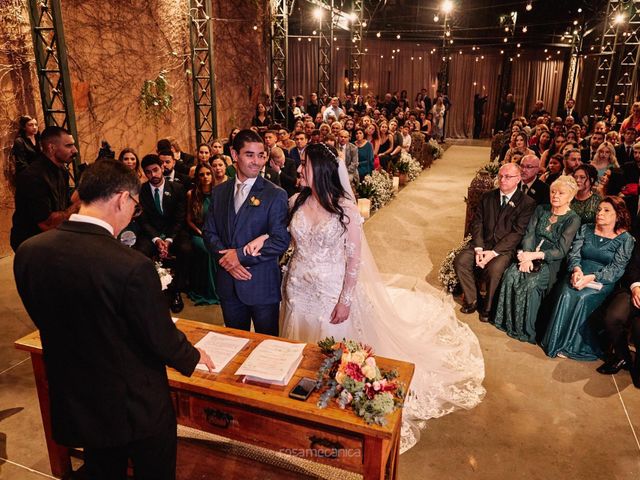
x=409 y=165
x=436 y=150
x=165 y=276
x=377 y=187
x=447 y=274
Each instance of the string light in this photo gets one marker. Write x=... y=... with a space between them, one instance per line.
x=255 y=27
x=524 y=29
x=436 y=18
x=318 y=13
x=378 y=34
x=529 y=6
x=505 y=39
x=447 y=6
x=398 y=36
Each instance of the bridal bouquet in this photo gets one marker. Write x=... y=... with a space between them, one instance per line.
x=354 y=380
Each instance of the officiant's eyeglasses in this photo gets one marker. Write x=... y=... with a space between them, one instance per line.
x=137 y=209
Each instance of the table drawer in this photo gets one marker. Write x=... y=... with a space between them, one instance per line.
x=281 y=433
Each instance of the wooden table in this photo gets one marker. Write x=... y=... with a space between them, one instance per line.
x=260 y=415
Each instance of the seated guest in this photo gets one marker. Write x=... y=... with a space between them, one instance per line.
x=597 y=139
x=162 y=223
x=531 y=185
x=202 y=288
x=169 y=170
x=521 y=142
x=605 y=158
x=284 y=141
x=129 y=157
x=217 y=150
x=219 y=170
x=543 y=143
x=599 y=253
x=26 y=147
x=571 y=160
x=406 y=137
x=365 y=154
x=621 y=316
x=624 y=181
x=283 y=171
x=261 y=119
x=348 y=152
x=227 y=146
x=544 y=247
x=183 y=161
x=569 y=110
x=204 y=155
x=633 y=120
x=554 y=170
x=624 y=151
x=297 y=153
x=496 y=230
x=586 y=201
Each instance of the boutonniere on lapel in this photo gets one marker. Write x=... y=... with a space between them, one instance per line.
x=268 y=176
x=511 y=204
x=533 y=191
x=254 y=202
x=167 y=194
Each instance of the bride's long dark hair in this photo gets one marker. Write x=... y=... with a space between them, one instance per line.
x=326 y=181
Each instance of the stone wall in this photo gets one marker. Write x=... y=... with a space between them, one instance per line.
x=113 y=47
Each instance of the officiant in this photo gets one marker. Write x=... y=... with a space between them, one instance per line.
x=106 y=333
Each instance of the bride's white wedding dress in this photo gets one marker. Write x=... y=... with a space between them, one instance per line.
x=413 y=322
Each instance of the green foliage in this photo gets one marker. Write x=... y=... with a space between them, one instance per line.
x=155 y=97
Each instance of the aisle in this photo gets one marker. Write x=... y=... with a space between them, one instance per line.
x=542 y=418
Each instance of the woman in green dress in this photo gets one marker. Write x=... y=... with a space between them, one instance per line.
x=203 y=268
x=545 y=244
x=586 y=201
x=598 y=258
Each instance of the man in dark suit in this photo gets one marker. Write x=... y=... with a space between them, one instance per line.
x=42 y=199
x=349 y=152
x=530 y=184
x=497 y=228
x=164 y=207
x=171 y=174
x=106 y=333
x=281 y=170
x=587 y=154
x=569 y=111
x=621 y=316
x=624 y=151
x=297 y=152
x=241 y=211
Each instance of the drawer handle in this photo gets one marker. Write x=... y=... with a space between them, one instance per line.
x=333 y=447
x=218 y=418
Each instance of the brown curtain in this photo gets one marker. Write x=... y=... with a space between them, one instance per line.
x=414 y=67
x=535 y=79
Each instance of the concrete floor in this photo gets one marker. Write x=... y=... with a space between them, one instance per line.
x=541 y=419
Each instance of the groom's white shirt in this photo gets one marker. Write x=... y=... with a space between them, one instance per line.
x=249 y=183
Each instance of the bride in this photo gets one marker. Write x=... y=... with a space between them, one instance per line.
x=332 y=288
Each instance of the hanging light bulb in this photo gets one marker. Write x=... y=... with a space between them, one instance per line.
x=529 y=6
x=436 y=18
x=398 y=36
x=524 y=29
x=378 y=34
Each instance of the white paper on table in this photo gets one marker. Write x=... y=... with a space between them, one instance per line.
x=271 y=360
x=221 y=349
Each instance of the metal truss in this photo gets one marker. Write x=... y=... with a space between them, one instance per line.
x=355 y=57
x=608 y=46
x=279 y=54
x=443 y=74
x=202 y=70
x=625 y=88
x=52 y=67
x=572 y=73
x=325 y=53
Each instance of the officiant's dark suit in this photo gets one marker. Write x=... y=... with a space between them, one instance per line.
x=264 y=210
x=107 y=336
x=498 y=228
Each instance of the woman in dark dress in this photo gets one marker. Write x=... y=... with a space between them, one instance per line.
x=26 y=147
x=586 y=202
x=203 y=268
x=262 y=120
x=227 y=146
x=547 y=241
x=598 y=258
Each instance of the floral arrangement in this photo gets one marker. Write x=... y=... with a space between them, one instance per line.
x=447 y=274
x=408 y=165
x=165 y=275
x=436 y=150
x=155 y=97
x=490 y=168
x=377 y=187
x=354 y=380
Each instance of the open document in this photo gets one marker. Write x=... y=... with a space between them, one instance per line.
x=221 y=349
x=272 y=362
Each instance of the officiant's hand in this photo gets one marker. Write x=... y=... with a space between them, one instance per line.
x=205 y=359
x=229 y=259
x=340 y=313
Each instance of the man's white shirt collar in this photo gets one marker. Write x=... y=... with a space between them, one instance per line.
x=76 y=217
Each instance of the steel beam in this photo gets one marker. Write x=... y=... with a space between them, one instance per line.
x=52 y=67
x=325 y=54
x=202 y=69
x=279 y=54
x=355 y=57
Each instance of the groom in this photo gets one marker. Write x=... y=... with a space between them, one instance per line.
x=241 y=210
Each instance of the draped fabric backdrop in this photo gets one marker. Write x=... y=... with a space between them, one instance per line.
x=412 y=67
x=535 y=79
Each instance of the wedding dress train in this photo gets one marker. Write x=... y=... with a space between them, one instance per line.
x=400 y=317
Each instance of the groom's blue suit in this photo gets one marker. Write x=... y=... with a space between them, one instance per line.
x=263 y=211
